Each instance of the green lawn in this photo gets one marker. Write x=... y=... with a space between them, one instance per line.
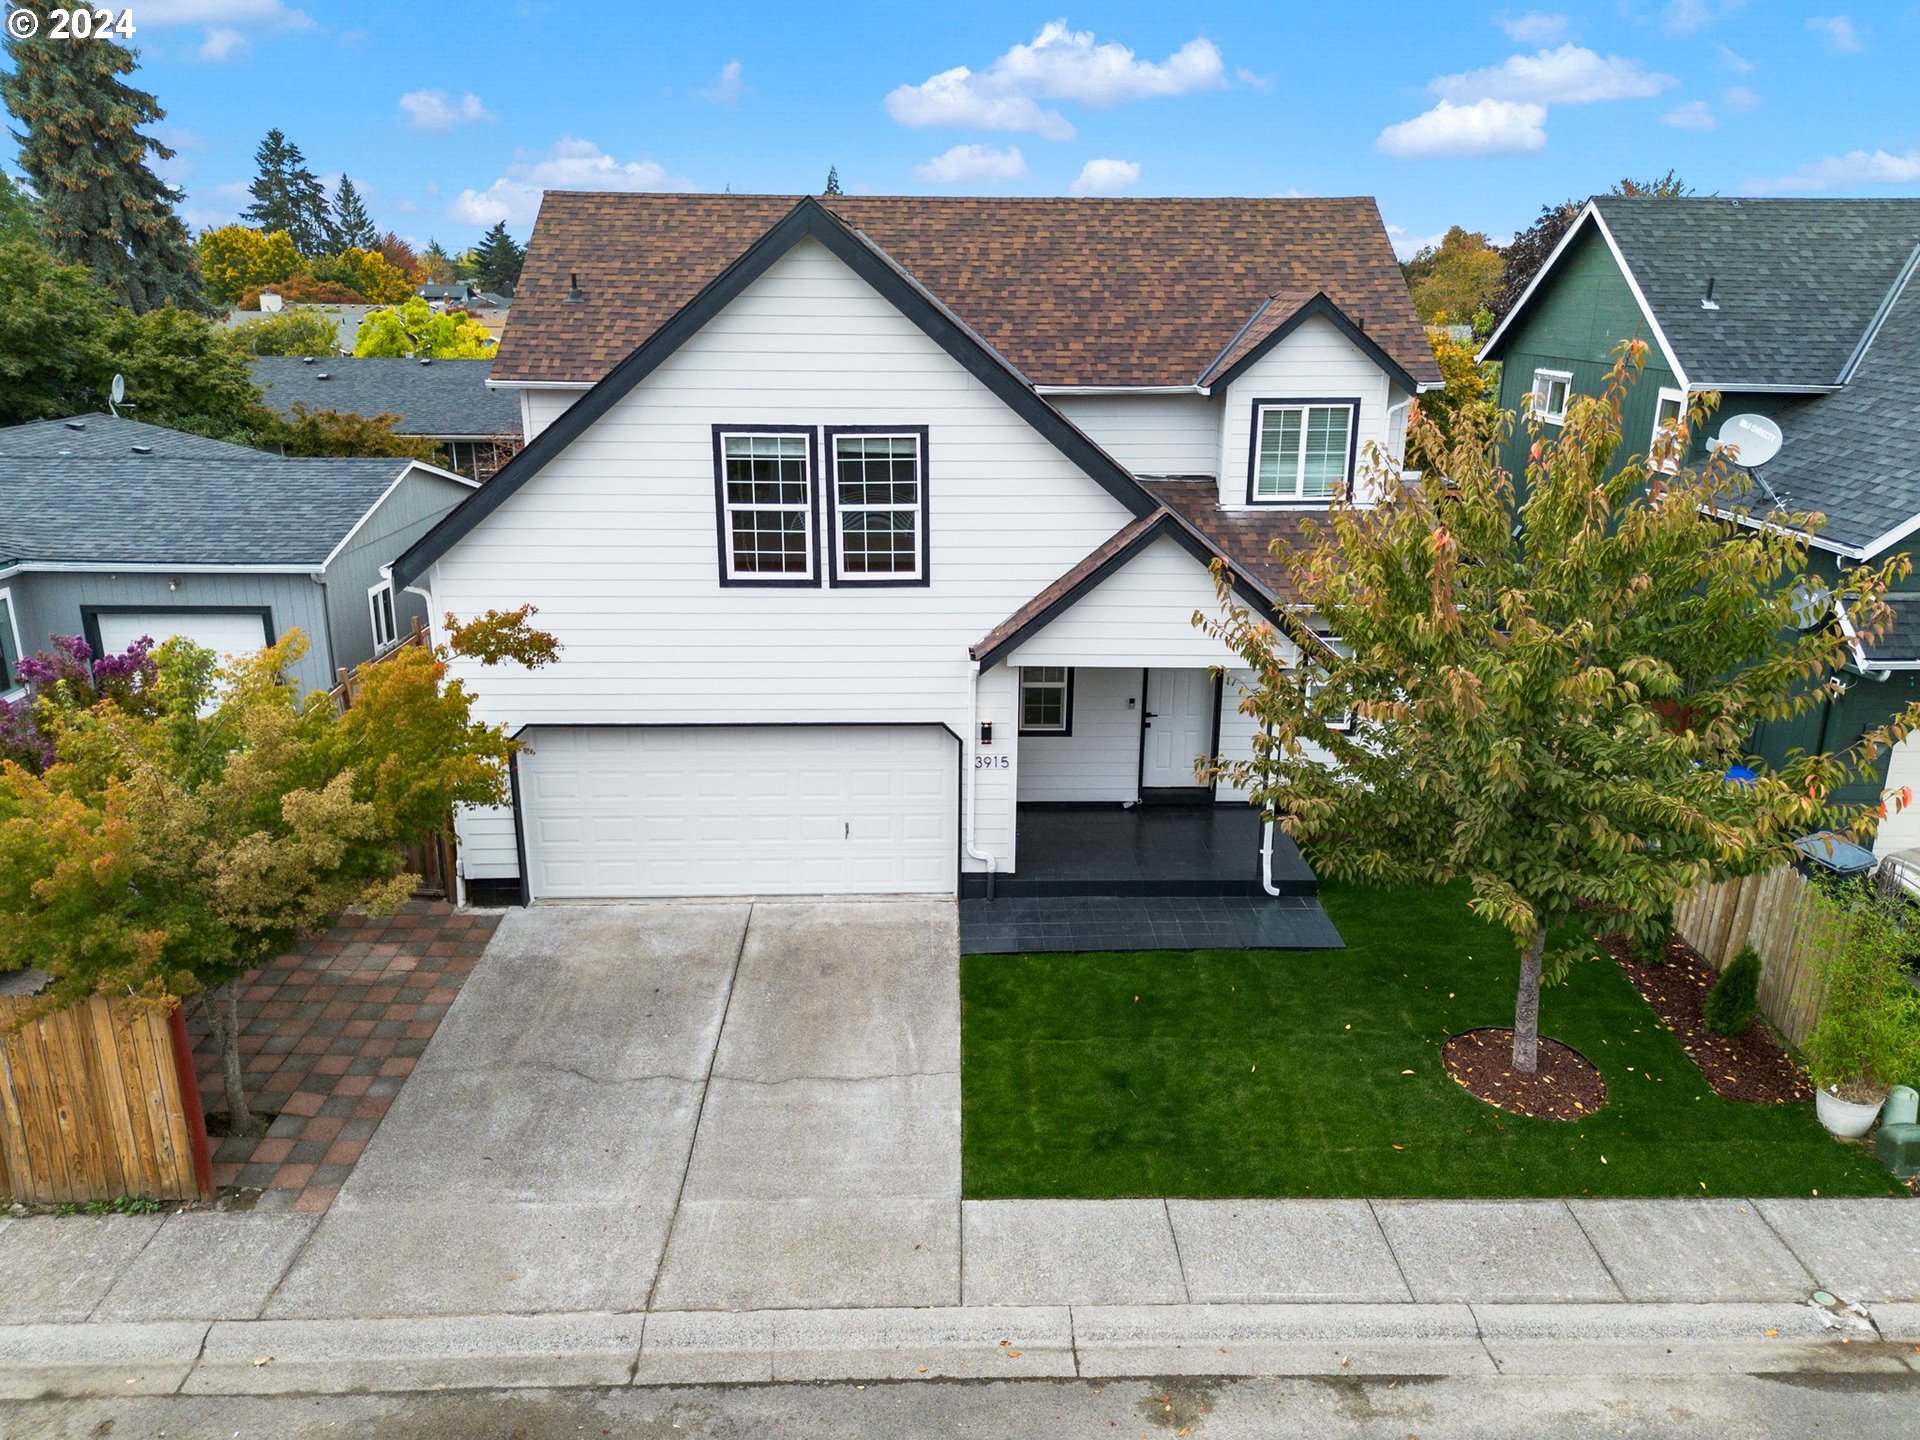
x=1260 y=1073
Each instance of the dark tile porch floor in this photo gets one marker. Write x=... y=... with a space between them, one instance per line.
x=1148 y=878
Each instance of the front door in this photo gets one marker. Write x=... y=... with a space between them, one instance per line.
x=1178 y=728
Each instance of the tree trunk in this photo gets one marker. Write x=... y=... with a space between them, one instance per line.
x=225 y=1011
x=1526 y=1009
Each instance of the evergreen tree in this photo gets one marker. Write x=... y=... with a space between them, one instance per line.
x=100 y=204
x=833 y=181
x=353 y=228
x=288 y=196
x=497 y=260
x=435 y=263
x=17 y=219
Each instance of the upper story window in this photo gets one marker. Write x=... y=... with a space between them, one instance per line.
x=765 y=487
x=380 y=607
x=879 y=500
x=9 y=642
x=1668 y=413
x=1046 y=700
x=1552 y=389
x=1302 y=450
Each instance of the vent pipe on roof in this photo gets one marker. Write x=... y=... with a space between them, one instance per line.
x=1707 y=302
x=574 y=293
x=143 y=449
x=76 y=424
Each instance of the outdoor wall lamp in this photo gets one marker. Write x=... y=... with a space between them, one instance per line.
x=986 y=732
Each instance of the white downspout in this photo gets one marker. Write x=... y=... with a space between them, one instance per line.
x=1266 y=862
x=974 y=852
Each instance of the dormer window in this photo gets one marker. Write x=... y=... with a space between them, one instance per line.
x=1302 y=450
x=1552 y=389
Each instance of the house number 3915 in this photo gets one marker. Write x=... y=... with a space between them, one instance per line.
x=993 y=762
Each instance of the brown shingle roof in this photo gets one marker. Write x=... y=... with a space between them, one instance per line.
x=1245 y=537
x=1070 y=291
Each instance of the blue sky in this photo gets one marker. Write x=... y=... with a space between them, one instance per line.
x=452 y=115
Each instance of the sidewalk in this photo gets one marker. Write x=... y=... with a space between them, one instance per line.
x=131 y=1305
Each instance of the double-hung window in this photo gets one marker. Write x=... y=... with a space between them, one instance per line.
x=1669 y=410
x=1302 y=450
x=766 y=496
x=879 y=498
x=380 y=607
x=1046 y=700
x=1552 y=389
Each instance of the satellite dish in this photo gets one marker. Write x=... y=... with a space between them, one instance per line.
x=1755 y=439
x=1810 y=600
x=117 y=394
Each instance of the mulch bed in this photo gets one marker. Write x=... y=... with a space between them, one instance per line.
x=1750 y=1066
x=1566 y=1086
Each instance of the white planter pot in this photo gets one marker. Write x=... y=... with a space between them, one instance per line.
x=1847 y=1119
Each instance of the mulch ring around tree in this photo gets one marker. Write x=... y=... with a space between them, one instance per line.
x=1566 y=1086
x=1750 y=1066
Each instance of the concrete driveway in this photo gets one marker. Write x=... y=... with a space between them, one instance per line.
x=674 y=1106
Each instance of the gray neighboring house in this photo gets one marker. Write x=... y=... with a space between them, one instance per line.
x=446 y=401
x=113 y=529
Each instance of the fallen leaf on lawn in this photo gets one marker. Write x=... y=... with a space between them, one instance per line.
x=1406 y=1072
x=1397 y=1147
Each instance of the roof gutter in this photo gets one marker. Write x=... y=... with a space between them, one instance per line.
x=1123 y=390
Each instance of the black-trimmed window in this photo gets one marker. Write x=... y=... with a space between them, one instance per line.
x=765 y=490
x=380 y=611
x=1046 y=700
x=878 y=505
x=9 y=651
x=1302 y=450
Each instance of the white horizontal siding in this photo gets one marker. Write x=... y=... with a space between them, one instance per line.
x=488 y=850
x=1151 y=434
x=1901 y=829
x=1141 y=614
x=615 y=539
x=1315 y=362
x=540 y=408
x=1100 y=760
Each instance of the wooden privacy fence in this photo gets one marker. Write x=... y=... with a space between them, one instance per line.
x=1775 y=913
x=99 y=1101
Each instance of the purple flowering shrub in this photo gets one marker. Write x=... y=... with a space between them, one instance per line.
x=67 y=675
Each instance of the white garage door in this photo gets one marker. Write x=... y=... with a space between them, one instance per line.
x=223 y=632
x=1901 y=829
x=779 y=810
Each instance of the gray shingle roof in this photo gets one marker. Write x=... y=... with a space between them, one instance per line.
x=1901 y=640
x=131 y=509
x=444 y=398
x=1797 y=282
x=111 y=435
x=1854 y=455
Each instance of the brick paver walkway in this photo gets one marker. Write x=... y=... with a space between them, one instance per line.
x=329 y=1034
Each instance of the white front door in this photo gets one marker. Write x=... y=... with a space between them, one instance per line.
x=1179 y=727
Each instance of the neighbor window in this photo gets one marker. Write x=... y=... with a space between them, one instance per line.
x=1552 y=389
x=879 y=507
x=1303 y=451
x=766 y=501
x=9 y=643
x=380 y=605
x=1046 y=700
x=1668 y=412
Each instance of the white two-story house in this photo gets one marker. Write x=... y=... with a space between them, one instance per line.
x=875 y=527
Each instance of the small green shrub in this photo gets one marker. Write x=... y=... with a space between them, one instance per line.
x=1648 y=946
x=1735 y=997
x=1868 y=1033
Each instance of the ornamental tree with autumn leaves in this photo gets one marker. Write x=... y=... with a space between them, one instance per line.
x=166 y=835
x=1548 y=682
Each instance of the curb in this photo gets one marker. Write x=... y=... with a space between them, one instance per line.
x=268 y=1357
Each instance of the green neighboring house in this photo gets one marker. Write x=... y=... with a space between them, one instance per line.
x=1806 y=311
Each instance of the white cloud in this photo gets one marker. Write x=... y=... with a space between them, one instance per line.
x=964 y=163
x=1488 y=127
x=1739 y=99
x=1683 y=17
x=432 y=111
x=1105 y=177
x=1839 y=31
x=1846 y=172
x=1535 y=28
x=1734 y=60
x=1694 y=115
x=726 y=88
x=216 y=205
x=570 y=164
x=225 y=43
x=1406 y=246
x=1247 y=77
x=1060 y=64
x=1569 y=75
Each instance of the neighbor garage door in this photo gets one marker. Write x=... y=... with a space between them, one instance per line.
x=779 y=810
x=224 y=632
